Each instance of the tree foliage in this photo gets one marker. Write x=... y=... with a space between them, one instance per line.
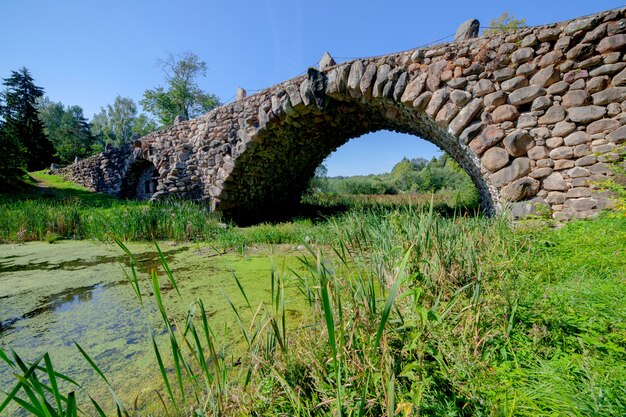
x=505 y=23
x=23 y=136
x=408 y=176
x=182 y=97
x=116 y=123
x=68 y=130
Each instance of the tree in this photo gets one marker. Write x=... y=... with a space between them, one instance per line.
x=505 y=23
x=183 y=97
x=116 y=123
x=22 y=128
x=67 y=129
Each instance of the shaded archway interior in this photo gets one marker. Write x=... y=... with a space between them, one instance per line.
x=286 y=155
x=140 y=181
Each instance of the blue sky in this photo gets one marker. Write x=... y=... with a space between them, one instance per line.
x=87 y=52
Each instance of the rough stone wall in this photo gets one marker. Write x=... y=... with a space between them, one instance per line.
x=533 y=116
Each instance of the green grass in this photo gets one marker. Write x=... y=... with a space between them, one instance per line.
x=412 y=313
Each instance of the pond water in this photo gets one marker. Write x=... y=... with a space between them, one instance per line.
x=77 y=291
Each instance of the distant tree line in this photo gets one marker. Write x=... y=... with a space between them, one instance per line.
x=36 y=131
x=416 y=176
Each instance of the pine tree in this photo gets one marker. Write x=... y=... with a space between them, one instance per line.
x=21 y=122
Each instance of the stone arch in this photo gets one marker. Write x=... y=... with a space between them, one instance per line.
x=276 y=164
x=139 y=181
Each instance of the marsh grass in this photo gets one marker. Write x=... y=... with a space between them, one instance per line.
x=409 y=313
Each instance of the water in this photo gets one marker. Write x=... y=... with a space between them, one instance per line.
x=52 y=296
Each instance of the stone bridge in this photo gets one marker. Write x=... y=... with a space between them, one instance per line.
x=534 y=116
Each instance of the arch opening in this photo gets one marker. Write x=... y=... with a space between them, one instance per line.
x=272 y=173
x=140 y=181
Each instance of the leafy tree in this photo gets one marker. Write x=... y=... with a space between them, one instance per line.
x=22 y=128
x=505 y=23
x=67 y=129
x=12 y=159
x=116 y=123
x=183 y=97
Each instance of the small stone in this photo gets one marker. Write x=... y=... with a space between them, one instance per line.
x=503 y=74
x=550 y=34
x=562 y=152
x=577 y=138
x=602 y=125
x=538 y=152
x=495 y=158
x=582 y=150
x=555 y=197
x=489 y=137
x=518 y=168
x=580 y=52
x=540 y=132
x=459 y=82
x=597 y=84
x=553 y=115
x=520 y=189
x=580 y=24
x=470 y=132
x=581 y=204
x=561 y=164
x=546 y=77
x=578 y=192
x=522 y=55
x=526 y=95
x=545 y=163
x=617 y=136
x=558 y=88
x=518 y=142
x=483 y=87
x=612 y=43
x=539 y=173
x=541 y=103
x=445 y=115
x=514 y=83
x=467 y=30
x=381 y=79
x=578 y=172
x=586 y=114
x=530 y=40
x=466 y=115
x=555 y=182
x=554 y=142
x=526 y=120
x=438 y=99
x=367 y=81
x=607 y=69
x=613 y=109
x=460 y=97
x=563 y=128
x=586 y=160
x=575 y=98
x=551 y=58
x=354 y=79
x=505 y=112
x=572 y=76
x=400 y=86
x=414 y=89
x=610 y=95
x=619 y=79
x=590 y=62
x=495 y=99
x=563 y=43
x=422 y=101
